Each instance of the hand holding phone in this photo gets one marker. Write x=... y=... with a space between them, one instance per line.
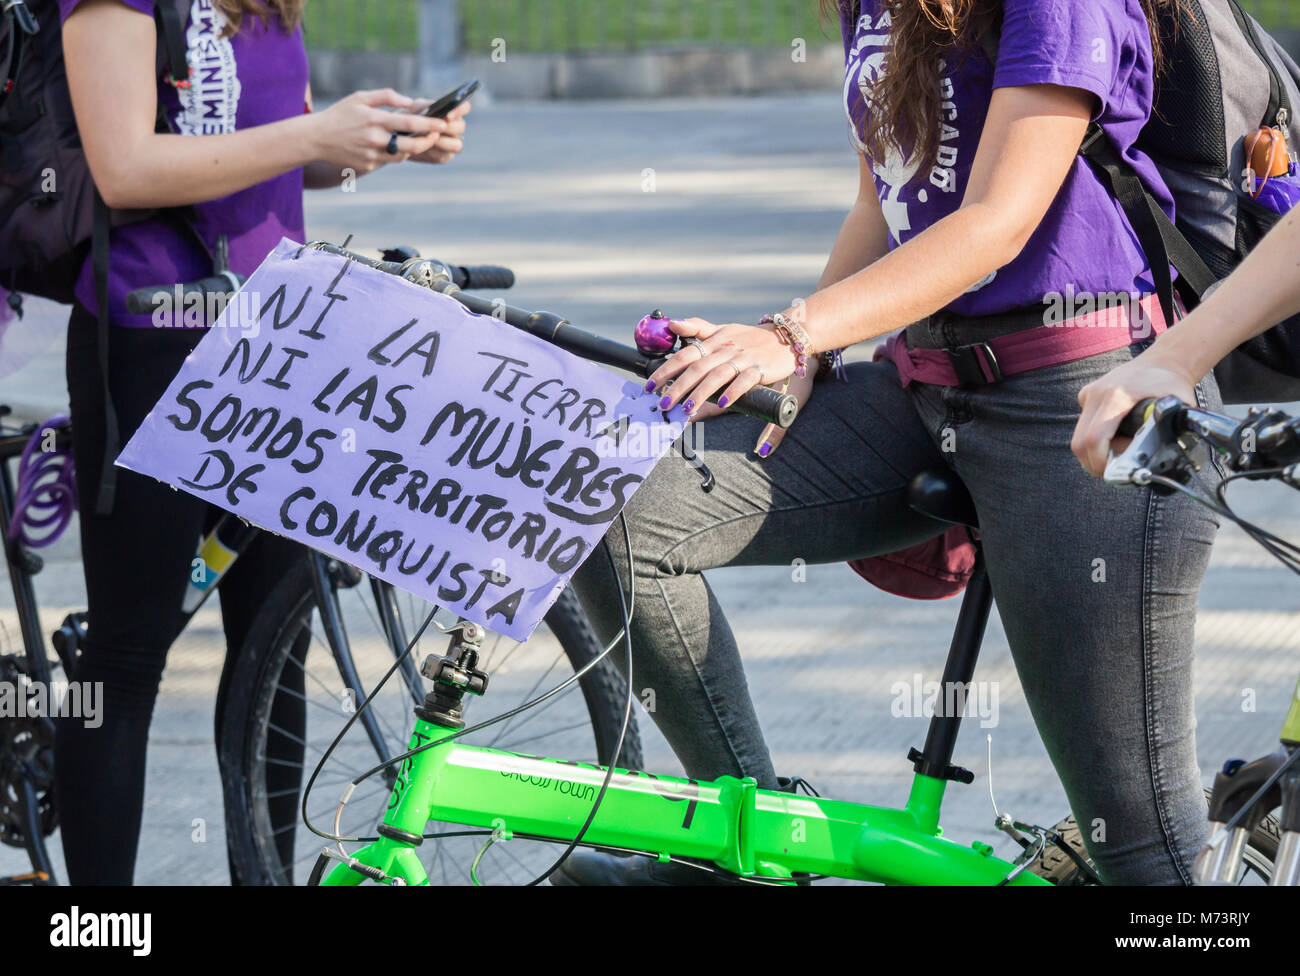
x=443 y=106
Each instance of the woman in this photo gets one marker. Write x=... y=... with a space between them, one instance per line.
x=245 y=145
x=975 y=204
x=1264 y=291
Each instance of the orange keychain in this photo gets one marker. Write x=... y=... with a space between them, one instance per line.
x=1269 y=157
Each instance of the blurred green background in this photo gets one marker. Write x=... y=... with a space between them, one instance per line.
x=587 y=25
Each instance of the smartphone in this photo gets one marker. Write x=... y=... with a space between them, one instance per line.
x=440 y=108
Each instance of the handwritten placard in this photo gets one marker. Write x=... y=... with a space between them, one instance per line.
x=384 y=424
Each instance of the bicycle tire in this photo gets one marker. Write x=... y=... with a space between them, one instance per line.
x=1059 y=868
x=264 y=656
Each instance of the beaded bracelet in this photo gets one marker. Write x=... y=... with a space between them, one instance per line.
x=792 y=334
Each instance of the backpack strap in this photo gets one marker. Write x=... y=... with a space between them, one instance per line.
x=112 y=435
x=991 y=40
x=1162 y=242
x=172 y=33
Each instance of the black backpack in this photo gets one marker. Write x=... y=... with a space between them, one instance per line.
x=51 y=215
x=47 y=196
x=1226 y=78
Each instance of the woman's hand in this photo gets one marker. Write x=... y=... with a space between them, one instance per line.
x=801 y=388
x=450 y=141
x=733 y=359
x=354 y=133
x=1108 y=400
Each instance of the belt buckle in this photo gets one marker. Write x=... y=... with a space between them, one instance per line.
x=970 y=369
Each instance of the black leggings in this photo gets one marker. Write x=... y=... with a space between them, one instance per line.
x=137 y=563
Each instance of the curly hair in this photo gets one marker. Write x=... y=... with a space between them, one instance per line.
x=907 y=99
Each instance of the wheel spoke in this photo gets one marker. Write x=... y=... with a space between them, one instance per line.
x=528 y=697
x=315 y=692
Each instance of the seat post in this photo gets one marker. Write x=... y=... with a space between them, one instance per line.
x=941 y=741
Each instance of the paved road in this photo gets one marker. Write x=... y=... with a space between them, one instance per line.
x=726 y=209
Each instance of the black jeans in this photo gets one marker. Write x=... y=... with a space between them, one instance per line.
x=1097 y=587
x=137 y=563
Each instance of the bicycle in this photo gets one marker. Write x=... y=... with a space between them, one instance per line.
x=505 y=798
x=327 y=627
x=1263 y=446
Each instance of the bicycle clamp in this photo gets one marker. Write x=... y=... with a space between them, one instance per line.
x=453 y=676
x=948 y=771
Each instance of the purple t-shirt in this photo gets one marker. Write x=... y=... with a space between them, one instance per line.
x=257 y=76
x=1084 y=242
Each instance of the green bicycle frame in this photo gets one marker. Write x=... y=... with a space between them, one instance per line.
x=750 y=832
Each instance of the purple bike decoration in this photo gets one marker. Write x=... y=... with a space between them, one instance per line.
x=47 y=490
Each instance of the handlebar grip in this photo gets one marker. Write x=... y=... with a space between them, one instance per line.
x=1136 y=417
x=144 y=301
x=768 y=405
x=483 y=276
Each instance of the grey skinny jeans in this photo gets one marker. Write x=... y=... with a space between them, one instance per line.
x=1106 y=667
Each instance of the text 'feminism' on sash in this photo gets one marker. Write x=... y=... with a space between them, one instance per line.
x=385 y=425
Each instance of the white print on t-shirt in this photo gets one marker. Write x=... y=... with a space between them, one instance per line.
x=866 y=64
x=209 y=105
x=944 y=172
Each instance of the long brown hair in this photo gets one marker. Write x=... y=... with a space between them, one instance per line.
x=289 y=11
x=907 y=99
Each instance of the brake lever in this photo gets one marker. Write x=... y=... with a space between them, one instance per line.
x=1151 y=453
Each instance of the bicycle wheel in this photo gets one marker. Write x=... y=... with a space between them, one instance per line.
x=27 y=811
x=289 y=697
x=1256 y=862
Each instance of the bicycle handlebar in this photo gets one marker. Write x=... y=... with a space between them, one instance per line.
x=763 y=403
x=484 y=276
x=768 y=405
x=1135 y=418
x=1263 y=440
x=144 y=301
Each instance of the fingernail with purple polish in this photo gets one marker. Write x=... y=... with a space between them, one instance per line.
x=665 y=403
x=722 y=402
x=689 y=406
x=765 y=450
x=650 y=386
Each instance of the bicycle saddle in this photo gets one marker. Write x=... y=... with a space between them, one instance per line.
x=940 y=494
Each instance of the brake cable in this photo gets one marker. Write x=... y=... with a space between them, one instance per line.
x=627 y=708
x=628 y=607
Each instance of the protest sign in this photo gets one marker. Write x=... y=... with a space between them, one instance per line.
x=384 y=424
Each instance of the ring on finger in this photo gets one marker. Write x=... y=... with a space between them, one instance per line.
x=696 y=344
x=392 y=144
x=737 y=369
